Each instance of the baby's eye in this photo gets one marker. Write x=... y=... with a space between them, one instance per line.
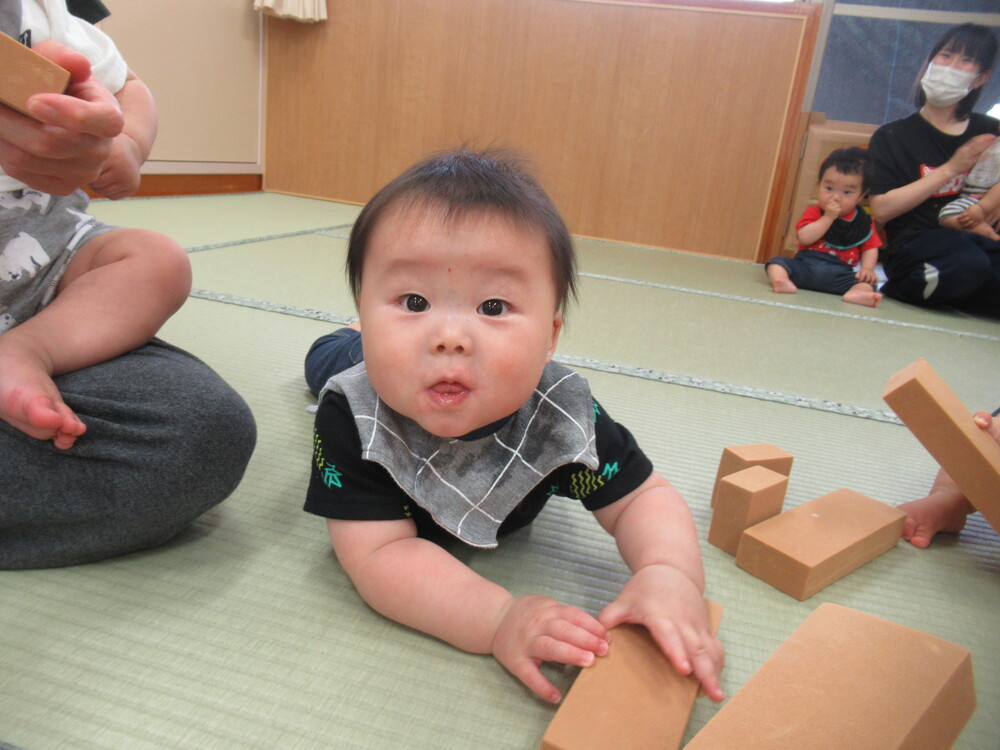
x=492 y=307
x=415 y=303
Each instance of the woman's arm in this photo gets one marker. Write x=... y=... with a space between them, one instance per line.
x=889 y=205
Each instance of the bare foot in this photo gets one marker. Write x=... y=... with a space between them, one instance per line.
x=780 y=283
x=944 y=509
x=986 y=230
x=31 y=403
x=866 y=297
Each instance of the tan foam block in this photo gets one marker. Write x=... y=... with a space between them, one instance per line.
x=744 y=499
x=809 y=547
x=945 y=427
x=738 y=457
x=846 y=679
x=631 y=698
x=25 y=73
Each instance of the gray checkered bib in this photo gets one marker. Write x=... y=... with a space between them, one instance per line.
x=470 y=486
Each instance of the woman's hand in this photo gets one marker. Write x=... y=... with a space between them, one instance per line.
x=966 y=156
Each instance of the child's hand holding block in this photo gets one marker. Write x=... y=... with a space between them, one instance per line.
x=744 y=499
x=26 y=73
x=942 y=423
x=738 y=457
x=630 y=698
x=809 y=547
x=845 y=679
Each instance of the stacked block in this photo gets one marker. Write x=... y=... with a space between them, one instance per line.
x=630 y=698
x=738 y=457
x=742 y=500
x=26 y=73
x=809 y=547
x=845 y=679
x=945 y=427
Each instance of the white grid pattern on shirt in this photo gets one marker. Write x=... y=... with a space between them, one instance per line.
x=475 y=506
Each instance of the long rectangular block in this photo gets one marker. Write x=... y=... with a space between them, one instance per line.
x=738 y=457
x=25 y=73
x=809 y=547
x=942 y=423
x=744 y=499
x=846 y=679
x=632 y=697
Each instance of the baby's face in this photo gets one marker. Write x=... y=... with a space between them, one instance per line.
x=458 y=317
x=844 y=189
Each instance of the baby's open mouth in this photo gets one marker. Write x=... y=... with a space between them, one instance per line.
x=448 y=393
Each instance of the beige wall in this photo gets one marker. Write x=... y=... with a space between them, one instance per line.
x=665 y=125
x=203 y=61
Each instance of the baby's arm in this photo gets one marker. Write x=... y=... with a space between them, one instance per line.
x=866 y=272
x=417 y=583
x=120 y=177
x=658 y=541
x=811 y=233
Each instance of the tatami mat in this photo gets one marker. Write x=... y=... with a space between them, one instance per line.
x=245 y=633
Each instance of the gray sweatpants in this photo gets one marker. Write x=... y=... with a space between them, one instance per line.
x=166 y=440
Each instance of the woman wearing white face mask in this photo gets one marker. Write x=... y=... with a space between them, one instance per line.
x=920 y=164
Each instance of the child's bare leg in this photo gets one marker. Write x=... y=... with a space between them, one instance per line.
x=116 y=293
x=971 y=220
x=863 y=293
x=780 y=282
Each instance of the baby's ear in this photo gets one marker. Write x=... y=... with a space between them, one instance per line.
x=557 y=325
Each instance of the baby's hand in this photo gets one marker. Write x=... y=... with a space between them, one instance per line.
x=966 y=156
x=534 y=629
x=866 y=276
x=832 y=209
x=672 y=608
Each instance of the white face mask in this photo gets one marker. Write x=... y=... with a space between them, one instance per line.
x=944 y=85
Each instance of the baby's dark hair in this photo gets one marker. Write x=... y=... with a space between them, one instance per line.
x=463 y=181
x=849 y=160
x=979 y=43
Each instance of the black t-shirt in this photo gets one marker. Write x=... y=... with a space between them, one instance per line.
x=343 y=485
x=904 y=151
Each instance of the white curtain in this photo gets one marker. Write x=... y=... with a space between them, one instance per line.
x=307 y=11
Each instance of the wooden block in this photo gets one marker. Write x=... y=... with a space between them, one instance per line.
x=809 y=547
x=744 y=499
x=630 y=698
x=739 y=457
x=846 y=679
x=942 y=423
x=25 y=73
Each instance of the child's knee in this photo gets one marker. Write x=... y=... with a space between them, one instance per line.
x=154 y=260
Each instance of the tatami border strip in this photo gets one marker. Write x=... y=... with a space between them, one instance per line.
x=337 y=232
x=645 y=373
x=330 y=231
x=786 y=306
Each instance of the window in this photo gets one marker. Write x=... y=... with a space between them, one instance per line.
x=875 y=49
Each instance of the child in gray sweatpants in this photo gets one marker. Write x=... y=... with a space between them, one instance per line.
x=110 y=441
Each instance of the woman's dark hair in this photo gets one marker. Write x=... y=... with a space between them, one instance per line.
x=463 y=181
x=979 y=43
